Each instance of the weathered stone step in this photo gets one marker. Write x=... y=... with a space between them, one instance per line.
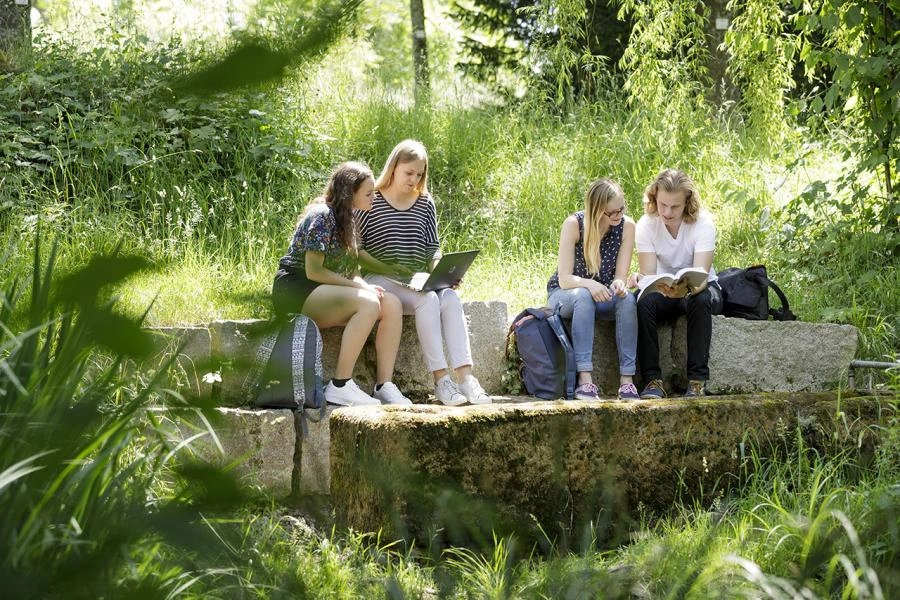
x=425 y=470
x=746 y=356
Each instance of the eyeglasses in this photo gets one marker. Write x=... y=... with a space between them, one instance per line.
x=615 y=213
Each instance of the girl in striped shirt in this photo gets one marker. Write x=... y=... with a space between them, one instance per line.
x=399 y=237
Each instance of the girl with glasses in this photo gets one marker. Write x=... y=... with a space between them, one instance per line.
x=595 y=247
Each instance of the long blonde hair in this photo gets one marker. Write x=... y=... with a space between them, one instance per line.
x=404 y=152
x=674 y=180
x=599 y=195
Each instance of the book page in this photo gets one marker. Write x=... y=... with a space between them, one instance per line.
x=689 y=277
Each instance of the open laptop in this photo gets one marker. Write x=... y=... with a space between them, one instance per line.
x=447 y=273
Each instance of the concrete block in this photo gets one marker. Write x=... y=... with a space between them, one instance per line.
x=314 y=448
x=258 y=444
x=233 y=348
x=460 y=474
x=745 y=356
x=234 y=345
x=193 y=347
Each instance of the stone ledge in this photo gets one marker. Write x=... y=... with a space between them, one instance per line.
x=234 y=343
x=745 y=356
x=258 y=444
x=410 y=472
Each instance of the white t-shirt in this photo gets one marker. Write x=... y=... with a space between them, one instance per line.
x=672 y=254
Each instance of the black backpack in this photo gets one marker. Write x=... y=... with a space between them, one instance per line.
x=745 y=294
x=546 y=361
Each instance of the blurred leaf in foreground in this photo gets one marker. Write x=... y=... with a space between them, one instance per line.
x=253 y=62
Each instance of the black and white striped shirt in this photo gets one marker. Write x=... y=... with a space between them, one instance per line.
x=406 y=237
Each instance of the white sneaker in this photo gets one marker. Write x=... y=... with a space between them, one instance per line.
x=349 y=395
x=474 y=393
x=447 y=392
x=390 y=394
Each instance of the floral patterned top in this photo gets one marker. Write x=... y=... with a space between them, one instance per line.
x=609 y=252
x=317 y=232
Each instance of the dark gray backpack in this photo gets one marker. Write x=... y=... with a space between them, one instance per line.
x=546 y=357
x=287 y=371
x=745 y=294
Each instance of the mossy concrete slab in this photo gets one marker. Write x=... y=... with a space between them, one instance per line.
x=416 y=471
x=313 y=449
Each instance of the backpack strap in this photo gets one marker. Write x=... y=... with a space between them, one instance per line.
x=556 y=325
x=308 y=378
x=784 y=313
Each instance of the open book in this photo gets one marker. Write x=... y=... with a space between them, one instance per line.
x=683 y=281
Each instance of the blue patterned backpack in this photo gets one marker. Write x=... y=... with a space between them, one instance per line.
x=287 y=371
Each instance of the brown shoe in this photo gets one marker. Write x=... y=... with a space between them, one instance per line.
x=653 y=390
x=695 y=388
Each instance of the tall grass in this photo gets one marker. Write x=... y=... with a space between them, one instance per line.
x=78 y=458
x=208 y=188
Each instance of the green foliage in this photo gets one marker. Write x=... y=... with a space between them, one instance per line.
x=253 y=62
x=570 y=47
x=761 y=65
x=860 y=42
x=78 y=456
x=666 y=58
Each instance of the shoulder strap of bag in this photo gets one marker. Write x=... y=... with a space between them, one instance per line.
x=311 y=342
x=784 y=313
x=556 y=324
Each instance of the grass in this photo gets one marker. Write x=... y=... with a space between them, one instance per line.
x=208 y=188
x=206 y=191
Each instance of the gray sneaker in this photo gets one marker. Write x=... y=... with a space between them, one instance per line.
x=653 y=390
x=695 y=389
x=472 y=390
x=447 y=392
x=391 y=394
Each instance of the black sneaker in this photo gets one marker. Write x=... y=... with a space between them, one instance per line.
x=653 y=390
x=695 y=389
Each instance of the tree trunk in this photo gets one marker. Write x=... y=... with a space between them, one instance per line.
x=15 y=32
x=420 y=50
x=719 y=21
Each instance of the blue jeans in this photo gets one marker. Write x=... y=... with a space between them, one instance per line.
x=578 y=305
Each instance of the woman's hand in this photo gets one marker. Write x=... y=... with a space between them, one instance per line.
x=617 y=287
x=375 y=289
x=633 y=280
x=667 y=290
x=599 y=292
